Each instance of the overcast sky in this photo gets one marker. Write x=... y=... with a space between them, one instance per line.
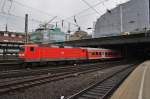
x=41 y=11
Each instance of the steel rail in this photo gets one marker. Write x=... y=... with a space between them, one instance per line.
x=34 y=80
x=104 y=88
x=28 y=72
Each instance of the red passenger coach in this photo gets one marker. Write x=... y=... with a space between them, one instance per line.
x=99 y=53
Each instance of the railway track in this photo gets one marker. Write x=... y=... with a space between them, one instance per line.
x=14 y=64
x=52 y=70
x=30 y=81
x=4 y=61
x=9 y=64
x=104 y=88
x=34 y=80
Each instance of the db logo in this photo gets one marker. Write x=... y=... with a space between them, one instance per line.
x=62 y=52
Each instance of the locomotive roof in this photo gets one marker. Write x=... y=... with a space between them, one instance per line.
x=35 y=45
x=47 y=45
x=57 y=46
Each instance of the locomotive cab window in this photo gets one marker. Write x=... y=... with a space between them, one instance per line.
x=32 y=49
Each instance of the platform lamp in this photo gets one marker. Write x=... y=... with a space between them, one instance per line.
x=90 y=28
x=121 y=18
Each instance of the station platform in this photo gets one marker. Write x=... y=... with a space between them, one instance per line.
x=137 y=85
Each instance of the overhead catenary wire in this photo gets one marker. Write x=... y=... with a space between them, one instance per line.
x=65 y=19
x=11 y=3
x=3 y=5
x=6 y=15
x=83 y=11
x=1 y=1
x=91 y=7
x=5 y=2
x=40 y=11
x=43 y=12
x=20 y=17
x=95 y=5
x=48 y=14
x=53 y=15
x=31 y=19
x=108 y=10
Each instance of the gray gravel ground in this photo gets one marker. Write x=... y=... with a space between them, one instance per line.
x=66 y=87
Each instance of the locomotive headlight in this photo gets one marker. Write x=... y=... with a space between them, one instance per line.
x=21 y=55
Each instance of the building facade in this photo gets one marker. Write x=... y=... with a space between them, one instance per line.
x=47 y=35
x=128 y=17
x=78 y=35
x=11 y=37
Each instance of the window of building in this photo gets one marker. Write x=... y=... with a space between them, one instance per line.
x=13 y=35
x=5 y=40
x=20 y=36
x=5 y=34
x=9 y=35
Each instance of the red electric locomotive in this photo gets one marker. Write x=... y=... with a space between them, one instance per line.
x=47 y=53
x=43 y=53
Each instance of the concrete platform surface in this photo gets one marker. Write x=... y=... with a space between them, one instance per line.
x=137 y=85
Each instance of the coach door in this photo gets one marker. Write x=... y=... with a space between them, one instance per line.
x=103 y=54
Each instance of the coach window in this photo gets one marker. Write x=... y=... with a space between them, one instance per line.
x=99 y=53
x=106 y=54
x=96 y=53
x=103 y=53
x=111 y=53
x=93 y=53
x=32 y=49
